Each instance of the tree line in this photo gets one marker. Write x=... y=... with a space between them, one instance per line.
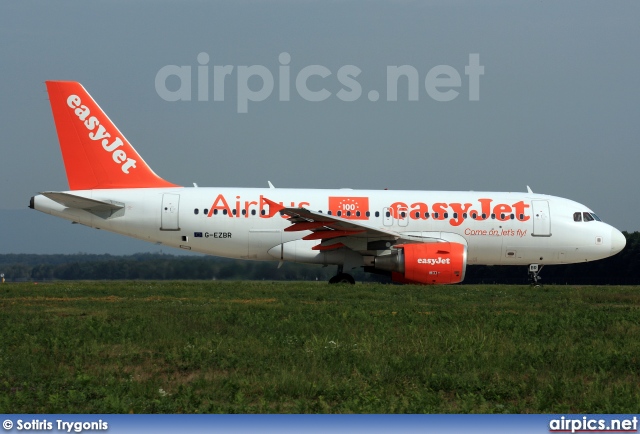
x=621 y=269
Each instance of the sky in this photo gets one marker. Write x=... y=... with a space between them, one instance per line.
x=556 y=107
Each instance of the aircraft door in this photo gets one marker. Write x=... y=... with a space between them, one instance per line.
x=169 y=214
x=541 y=218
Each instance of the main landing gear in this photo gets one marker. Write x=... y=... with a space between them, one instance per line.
x=342 y=277
x=534 y=278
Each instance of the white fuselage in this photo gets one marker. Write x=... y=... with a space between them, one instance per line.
x=508 y=228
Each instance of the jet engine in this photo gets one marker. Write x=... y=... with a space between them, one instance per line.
x=425 y=263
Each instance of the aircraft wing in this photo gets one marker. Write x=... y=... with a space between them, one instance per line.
x=335 y=232
x=326 y=226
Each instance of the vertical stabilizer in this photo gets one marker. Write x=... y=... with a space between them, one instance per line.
x=96 y=155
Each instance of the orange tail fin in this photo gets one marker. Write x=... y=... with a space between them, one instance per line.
x=96 y=155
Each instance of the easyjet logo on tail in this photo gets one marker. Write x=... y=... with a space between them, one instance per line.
x=98 y=132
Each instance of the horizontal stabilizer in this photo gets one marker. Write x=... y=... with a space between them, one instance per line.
x=100 y=208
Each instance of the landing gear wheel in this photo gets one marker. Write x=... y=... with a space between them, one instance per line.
x=534 y=277
x=342 y=278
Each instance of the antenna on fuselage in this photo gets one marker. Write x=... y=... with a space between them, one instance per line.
x=270 y=184
x=529 y=189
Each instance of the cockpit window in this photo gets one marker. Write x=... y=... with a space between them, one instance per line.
x=585 y=216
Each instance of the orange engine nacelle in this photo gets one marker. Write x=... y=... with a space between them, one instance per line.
x=426 y=263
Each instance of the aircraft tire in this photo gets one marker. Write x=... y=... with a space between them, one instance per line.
x=343 y=278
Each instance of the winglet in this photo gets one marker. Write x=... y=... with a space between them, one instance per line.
x=96 y=154
x=273 y=207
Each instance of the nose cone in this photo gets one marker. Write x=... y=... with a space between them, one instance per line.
x=618 y=241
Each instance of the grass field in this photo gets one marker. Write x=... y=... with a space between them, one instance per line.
x=246 y=347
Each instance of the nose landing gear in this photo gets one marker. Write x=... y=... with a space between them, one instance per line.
x=534 y=278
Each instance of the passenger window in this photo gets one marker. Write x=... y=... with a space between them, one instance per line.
x=577 y=216
x=377 y=213
x=206 y=211
x=196 y=211
x=388 y=214
x=253 y=212
x=587 y=217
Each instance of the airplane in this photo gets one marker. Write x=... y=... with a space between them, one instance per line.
x=416 y=237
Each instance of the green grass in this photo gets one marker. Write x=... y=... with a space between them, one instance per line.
x=246 y=347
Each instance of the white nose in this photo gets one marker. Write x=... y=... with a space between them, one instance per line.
x=618 y=241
